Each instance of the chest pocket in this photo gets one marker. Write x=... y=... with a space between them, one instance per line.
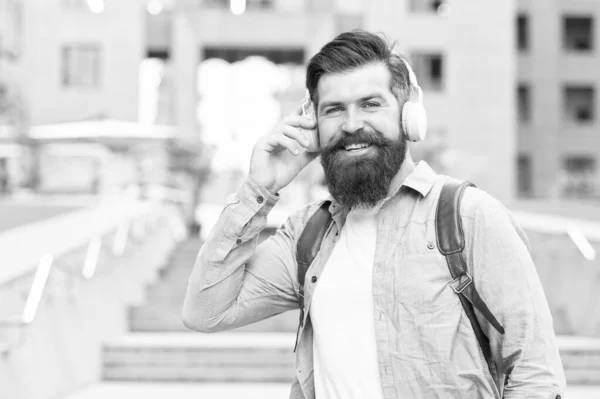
x=421 y=281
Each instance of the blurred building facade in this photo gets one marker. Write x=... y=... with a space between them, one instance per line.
x=68 y=61
x=13 y=115
x=510 y=90
x=80 y=59
x=467 y=78
x=558 y=111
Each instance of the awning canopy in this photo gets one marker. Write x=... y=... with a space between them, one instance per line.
x=102 y=129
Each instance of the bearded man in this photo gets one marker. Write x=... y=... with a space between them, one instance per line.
x=380 y=317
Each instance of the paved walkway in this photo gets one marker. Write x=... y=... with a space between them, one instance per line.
x=231 y=391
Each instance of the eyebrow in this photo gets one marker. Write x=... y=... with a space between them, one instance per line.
x=326 y=104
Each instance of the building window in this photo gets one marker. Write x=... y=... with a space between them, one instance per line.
x=429 y=69
x=431 y=6
x=524 y=103
x=525 y=176
x=81 y=66
x=580 y=176
x=578 y=33
x=522 y=32
x=579 y=104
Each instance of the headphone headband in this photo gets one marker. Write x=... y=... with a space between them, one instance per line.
x=412 y=79
x=414 y=118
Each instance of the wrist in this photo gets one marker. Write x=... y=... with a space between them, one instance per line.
x=271 y=188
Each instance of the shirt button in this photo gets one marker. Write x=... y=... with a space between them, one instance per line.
x=238 y=241
x=260 y=199
x=430 y=245
x=558 y=396
x=314 y=279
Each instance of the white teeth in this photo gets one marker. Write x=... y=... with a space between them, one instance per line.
x=355 y=146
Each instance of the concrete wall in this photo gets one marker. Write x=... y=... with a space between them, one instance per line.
x=119 y=31
x=475 y=108
x=61 y=350
x=546 y=67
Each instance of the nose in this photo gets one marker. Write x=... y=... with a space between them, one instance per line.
x=352 y=122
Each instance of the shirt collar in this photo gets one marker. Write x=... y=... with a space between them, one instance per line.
x=421 y=179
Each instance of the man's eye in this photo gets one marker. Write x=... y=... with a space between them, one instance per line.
x=371 y=105
x=332 y=110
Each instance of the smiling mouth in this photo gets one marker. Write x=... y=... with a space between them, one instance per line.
x=356 y=147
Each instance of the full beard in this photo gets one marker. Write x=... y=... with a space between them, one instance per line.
x=362 y=181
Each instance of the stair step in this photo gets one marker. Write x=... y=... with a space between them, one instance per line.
x=581 y=359
x=582 y=376
x=208 y=374
x=201 y=340
x=225 y=357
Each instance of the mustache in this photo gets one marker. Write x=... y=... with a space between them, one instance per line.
x=361 y=136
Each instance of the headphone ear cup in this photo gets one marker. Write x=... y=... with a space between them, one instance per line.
x=414 y=121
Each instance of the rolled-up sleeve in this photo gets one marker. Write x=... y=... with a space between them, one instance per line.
x=526 y=356
x=234 y=282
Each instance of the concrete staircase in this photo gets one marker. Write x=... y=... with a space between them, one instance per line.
x=160 y=348
x=162 y=310
x=182 y=357
x=581 y=359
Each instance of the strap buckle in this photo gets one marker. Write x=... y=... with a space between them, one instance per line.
x=459 y=284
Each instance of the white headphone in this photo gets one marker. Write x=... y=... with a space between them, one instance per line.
x=414 y=118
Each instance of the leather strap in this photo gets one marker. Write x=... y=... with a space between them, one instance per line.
x=307 y=248
x=451 y=243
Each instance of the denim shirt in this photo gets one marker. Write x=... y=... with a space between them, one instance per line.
x=425 y=343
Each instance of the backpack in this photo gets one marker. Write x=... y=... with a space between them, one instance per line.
x=451 y=243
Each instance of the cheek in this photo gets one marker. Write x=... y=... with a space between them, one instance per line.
x=328 y=130
x=389 y=126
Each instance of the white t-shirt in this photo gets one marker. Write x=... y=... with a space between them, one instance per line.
x=345 y=355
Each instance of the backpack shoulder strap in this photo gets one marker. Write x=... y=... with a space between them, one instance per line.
x=308 y=246
x=451 y=243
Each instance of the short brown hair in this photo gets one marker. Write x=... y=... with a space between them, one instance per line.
x=351 y=50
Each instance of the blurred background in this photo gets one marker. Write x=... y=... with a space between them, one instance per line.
x=124 y=124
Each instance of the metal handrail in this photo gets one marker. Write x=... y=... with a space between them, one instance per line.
x=120 y=241
x=581 y=233
x=91 y=258
x=42 y=274
x=34 y=297
x=581 y=242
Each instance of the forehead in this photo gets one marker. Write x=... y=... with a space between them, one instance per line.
x=356 y=83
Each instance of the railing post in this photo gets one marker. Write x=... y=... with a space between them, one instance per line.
x=120 y=242
x=37 y=288
x=91 y=259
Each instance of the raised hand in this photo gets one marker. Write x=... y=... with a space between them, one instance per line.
x=280 y=155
